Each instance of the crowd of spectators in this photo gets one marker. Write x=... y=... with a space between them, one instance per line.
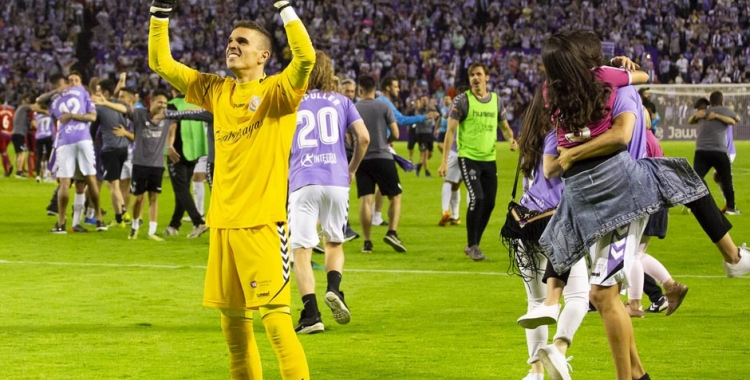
x=426 y=44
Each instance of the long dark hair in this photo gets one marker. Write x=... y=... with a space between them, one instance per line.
x=574 y=96
x=534 y=128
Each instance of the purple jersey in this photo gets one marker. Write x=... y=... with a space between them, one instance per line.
x=540 y=193
x=74 y=100
x=44 y=125
x=730 y=141
x=318 y=152
x=628 y=100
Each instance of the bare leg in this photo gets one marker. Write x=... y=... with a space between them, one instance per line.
x=394 y=212
x=303 y=270
x=153 y=207
x=365 y=215
x=334 y=257
x=63 y=197
x=94 y=196
x=619 y=329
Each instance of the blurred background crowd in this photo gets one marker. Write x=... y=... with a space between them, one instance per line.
x=426 y=44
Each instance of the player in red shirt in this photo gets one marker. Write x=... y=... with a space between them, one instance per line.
x=6 y=129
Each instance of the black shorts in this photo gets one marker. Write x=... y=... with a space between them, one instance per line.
x=19 y=143
x=412 y=132
x=657 y=224
x=380 y=171
x=441 y=137
x=146 y=178
x=44 y=147
x=112 y=163
x=426 y=141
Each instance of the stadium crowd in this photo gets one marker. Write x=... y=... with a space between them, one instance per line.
x=427 y=45
x=415 y=51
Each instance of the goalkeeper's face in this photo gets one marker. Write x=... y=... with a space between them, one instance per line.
x=246 y=50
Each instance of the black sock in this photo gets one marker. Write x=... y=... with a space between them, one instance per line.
x=118 y=218
x=311 y=305
x=391 y=232
x=645 y=377
x=334 y=280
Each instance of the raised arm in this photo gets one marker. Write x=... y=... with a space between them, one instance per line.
x=303 y=52
x=121 y=83
x=159 y=54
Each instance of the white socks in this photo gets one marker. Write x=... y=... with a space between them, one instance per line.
x=635 y=291
x=79 y=201
x=446 y=197
x=455 y=202
x=377 y=218
x=136 y=224
x=152 y=228
x=576 y=294
x=90 y=212
x=199 y=194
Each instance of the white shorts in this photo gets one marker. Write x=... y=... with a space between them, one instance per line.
x=453 y=173
x=309 y=205
x=200 y=167
x=127 y=167
x=611 y=257
x=80 y=155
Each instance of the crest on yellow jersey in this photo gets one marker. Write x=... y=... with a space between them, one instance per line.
x=254 y=103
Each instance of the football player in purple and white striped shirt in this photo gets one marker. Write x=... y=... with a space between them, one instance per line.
x=74 y=111
x=319 y=179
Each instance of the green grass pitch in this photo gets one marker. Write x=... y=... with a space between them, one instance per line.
x=97 y=306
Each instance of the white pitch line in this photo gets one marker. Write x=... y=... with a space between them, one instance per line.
x=203 y=267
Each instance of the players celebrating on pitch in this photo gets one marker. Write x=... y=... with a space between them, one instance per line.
x=254 y=122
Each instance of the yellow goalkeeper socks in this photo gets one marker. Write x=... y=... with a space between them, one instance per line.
x=244 y=358
x=280 y=331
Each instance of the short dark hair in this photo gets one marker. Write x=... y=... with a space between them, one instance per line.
x=367 y=83
x=107 y=85
x=477 y=64
x=129 y=90
x=700 y=103
x=54 y=78
x=387 y=82
x=252 y=25
x=716 y=98
x=162 y=92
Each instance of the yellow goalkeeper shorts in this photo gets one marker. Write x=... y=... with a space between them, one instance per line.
x=248 y=268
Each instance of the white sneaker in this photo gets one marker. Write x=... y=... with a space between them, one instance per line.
x=171 y=231
x=742 y=267
x=539 y=316
x=555 y=363
x=198 y=231
x=534 y=376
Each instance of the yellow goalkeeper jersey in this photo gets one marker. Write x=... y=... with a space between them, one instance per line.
x=254 y=125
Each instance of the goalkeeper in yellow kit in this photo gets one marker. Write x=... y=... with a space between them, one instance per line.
x=254 y=123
